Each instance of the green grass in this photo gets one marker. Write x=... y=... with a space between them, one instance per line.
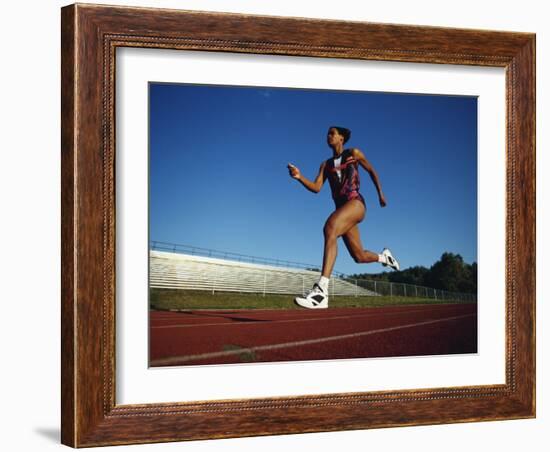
x=164 y=299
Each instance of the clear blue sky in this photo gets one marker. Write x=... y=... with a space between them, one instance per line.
x=218 y=176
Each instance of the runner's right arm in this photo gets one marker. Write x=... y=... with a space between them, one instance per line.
x=315 y=186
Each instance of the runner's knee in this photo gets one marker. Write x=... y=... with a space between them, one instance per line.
x=330 y=230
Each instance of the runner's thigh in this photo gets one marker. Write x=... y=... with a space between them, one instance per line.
x=346 y=217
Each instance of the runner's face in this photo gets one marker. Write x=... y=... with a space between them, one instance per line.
x=333 y=137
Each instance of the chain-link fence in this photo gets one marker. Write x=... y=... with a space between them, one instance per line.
x=394 y=289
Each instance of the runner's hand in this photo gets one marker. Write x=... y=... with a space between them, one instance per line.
x=293 y=171
x=382 y=200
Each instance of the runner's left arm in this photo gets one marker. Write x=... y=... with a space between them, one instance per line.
x=360 y=157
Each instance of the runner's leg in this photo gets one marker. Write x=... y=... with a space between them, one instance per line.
x=340 y=221
x=352 y=239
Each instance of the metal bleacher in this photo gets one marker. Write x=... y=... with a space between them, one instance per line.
x=172 y=270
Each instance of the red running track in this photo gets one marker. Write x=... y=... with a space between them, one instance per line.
x=234 y=336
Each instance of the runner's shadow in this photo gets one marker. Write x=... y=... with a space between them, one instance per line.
x=226 y=315
x=51 y=433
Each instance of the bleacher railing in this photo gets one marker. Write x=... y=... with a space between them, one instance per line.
x=206 y=252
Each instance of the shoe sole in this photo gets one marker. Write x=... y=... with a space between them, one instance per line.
x=296 y=302
x=395 y=267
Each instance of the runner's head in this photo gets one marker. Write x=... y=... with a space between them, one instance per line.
x=337 y=134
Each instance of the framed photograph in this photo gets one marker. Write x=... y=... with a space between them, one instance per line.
x=224 y=271
x=244 y=304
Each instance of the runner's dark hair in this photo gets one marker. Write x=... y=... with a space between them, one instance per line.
x=346 y=133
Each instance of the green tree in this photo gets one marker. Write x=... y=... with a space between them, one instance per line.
x=449 y=273
x=412 y=275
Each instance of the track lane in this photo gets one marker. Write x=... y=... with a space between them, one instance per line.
x=275 y=335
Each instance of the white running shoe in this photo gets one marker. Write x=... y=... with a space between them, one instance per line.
x=391 y=261
x=315 y=299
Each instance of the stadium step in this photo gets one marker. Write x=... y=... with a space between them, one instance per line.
x=181 y=271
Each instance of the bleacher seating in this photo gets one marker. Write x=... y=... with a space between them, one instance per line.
x=184 y=271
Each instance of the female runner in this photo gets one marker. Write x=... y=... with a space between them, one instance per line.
x=343 y=174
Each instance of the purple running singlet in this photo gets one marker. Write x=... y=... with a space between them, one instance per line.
x=342 y=173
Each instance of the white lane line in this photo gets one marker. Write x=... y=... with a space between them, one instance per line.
x=175 y=360
x=278 y=322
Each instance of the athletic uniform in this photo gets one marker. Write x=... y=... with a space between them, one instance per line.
x=342 y=173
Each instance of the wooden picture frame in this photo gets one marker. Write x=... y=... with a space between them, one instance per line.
x=90 y=36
